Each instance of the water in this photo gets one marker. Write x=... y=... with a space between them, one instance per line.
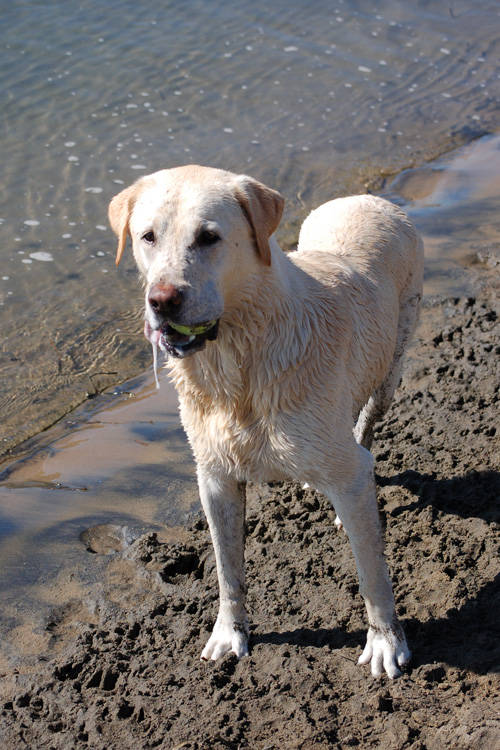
x=316 y=101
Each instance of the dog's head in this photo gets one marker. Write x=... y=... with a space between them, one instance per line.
x=197 y=235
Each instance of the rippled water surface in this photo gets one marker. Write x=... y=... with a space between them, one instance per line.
x=316 y=100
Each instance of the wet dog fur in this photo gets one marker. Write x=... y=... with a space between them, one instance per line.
x=301 y=361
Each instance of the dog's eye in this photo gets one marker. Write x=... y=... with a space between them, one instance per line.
x=207 y=237
x=149 y=237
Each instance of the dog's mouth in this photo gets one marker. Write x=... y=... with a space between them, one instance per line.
x=181 y=341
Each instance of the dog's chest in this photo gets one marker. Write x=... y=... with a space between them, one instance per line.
x=255 y=448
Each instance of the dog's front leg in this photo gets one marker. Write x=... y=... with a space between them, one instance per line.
x=223 y=500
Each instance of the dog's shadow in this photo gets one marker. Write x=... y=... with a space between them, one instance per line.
x=466 y=637
x=474 y=495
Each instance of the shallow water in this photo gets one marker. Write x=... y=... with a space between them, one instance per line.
x=315 y=101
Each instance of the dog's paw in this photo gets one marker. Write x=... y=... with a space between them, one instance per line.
x=227 y=636
x=385 y=649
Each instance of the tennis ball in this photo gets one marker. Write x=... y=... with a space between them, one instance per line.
x=193 y=330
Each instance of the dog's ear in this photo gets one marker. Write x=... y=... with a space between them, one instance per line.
x=263 y=208
x=119 y=212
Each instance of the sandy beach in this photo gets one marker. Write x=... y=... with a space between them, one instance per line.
x=128 y=672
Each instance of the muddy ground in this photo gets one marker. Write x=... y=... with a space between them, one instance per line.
x=127 y=673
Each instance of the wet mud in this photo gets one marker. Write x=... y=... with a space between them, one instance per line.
x=122 y=669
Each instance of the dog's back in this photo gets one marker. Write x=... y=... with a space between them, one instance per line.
x=368 y=251
x=372 y=234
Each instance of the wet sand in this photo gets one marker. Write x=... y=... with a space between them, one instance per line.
x=118 y=466
x=102 y=629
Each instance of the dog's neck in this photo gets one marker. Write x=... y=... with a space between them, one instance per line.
x=270 y=321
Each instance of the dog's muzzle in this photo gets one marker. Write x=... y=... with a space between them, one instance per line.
x=181 y=343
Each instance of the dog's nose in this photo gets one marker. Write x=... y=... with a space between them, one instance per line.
x=163 y=298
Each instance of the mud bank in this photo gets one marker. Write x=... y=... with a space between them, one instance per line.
x=127 y=672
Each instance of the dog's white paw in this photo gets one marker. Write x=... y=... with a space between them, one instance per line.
x=385 y=649
x=227 y=635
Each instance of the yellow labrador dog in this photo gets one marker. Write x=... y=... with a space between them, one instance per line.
x=283 y=363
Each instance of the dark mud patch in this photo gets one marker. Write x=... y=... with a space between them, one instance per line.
x=134 y=679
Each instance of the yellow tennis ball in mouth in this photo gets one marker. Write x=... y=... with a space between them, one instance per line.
x=193 y=330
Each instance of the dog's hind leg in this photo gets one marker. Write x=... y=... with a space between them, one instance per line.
x=223 y=501
x=355 y=502
x=381 y=398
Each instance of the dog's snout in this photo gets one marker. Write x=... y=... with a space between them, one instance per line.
x=164 y=298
